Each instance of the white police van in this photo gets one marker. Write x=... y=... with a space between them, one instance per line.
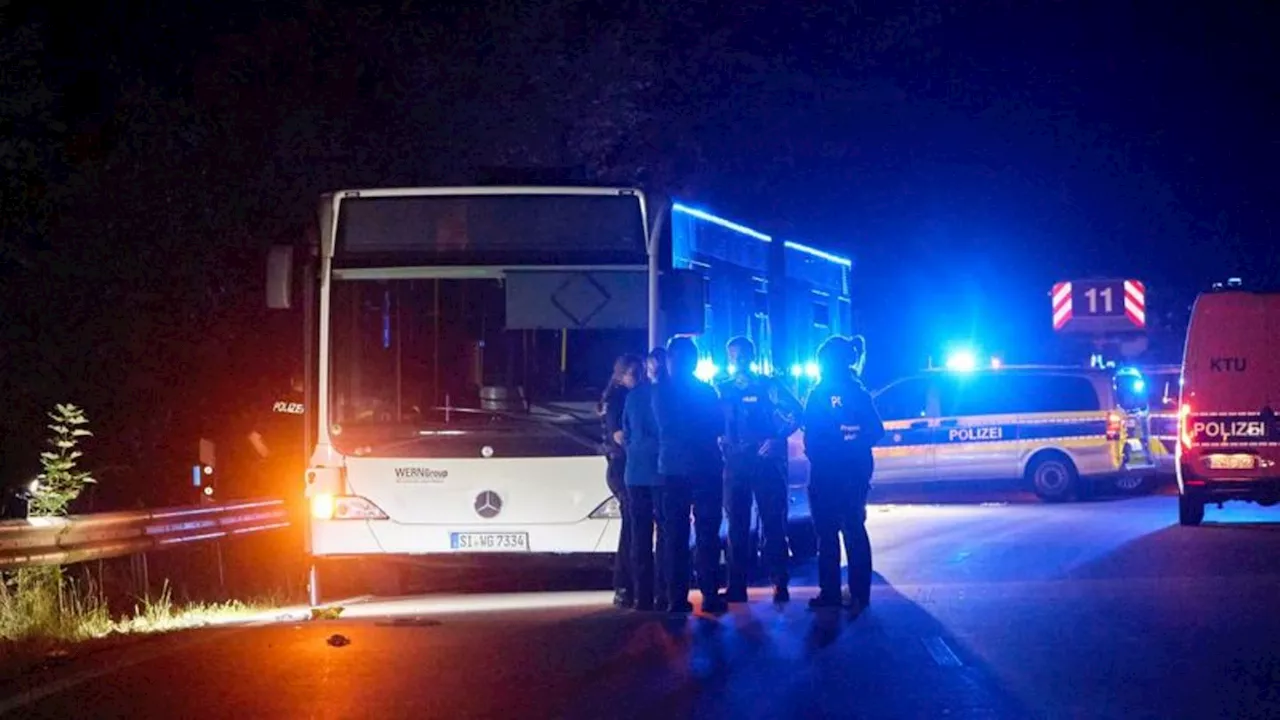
x=1229 y=437
x=1062 y=430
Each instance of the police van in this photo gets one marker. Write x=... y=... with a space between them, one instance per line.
x=1229 y=438
x=1062 y=430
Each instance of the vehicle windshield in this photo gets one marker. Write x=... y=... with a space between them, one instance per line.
x=1156 y=390
x=541 y=229
x=422 y=355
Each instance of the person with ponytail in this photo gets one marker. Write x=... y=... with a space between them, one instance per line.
x=841 y=426
x=627 y=372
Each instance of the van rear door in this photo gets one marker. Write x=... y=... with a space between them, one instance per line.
x=1132 y=392
x=1232 y=387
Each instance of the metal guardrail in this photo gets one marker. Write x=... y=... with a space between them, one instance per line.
x=64 y=540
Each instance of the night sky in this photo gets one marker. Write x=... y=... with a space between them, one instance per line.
x=967 y=155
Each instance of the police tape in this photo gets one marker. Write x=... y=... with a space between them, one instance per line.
x=78 y=538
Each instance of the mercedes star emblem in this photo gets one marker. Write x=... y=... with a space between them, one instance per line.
x=488 y=504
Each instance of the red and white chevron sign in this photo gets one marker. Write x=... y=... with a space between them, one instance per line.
x=1061 y=304
x=1099 y=306
x=1135 y=302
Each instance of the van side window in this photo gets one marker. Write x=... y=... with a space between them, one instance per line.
x=969 y=395
x=995 y=394
x=1067 y=393
x=992 y=394
x=905 y=400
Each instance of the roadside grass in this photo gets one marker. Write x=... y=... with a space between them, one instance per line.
x=41 y=606
x=162 y=614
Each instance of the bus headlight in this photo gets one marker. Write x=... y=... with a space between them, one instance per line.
x=322 y=506
x=610 y=509
x=344 y=507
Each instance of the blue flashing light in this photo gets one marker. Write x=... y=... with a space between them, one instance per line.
x=821 y=254
x=729 y=224
x=962 y=360
x=196 y=475
x=754 y=367
x=797 y=370
x=812 y=370
x=706 y=370
x=996 y=364
x=733 y=369
x=1137 y=383
x=703 y=215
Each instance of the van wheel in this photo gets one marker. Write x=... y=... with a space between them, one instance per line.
x=1134 y=484
x=1053 y=477
x=1190 y=511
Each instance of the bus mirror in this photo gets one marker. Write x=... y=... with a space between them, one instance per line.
x=280 y=277
x=684 y=302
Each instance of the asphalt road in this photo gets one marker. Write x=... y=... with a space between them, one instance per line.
x=1005 y=610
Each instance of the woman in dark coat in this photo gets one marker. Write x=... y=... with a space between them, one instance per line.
x=627 y=371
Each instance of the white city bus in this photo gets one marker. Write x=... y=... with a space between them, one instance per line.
x=457 y=344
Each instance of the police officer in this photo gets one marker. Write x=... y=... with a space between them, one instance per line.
x=841 y=426
x=627 y=373
x=760 y=414
x=270 y=456
x=689 y=426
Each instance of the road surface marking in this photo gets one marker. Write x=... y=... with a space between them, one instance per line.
x=941 y=652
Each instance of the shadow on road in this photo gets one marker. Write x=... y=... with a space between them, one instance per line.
x=976 y=493
x=1184 y=617
x=767 y=661
x=1233 y=543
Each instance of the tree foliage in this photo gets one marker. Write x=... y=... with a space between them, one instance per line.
x=137 y=286
x=62 y=480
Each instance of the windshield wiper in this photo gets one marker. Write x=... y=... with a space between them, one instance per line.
x=583 y=439
x=422 y=435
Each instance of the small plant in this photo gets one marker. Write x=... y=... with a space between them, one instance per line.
x=61 y=482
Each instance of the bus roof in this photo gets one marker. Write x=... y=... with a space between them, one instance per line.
x=488 y=190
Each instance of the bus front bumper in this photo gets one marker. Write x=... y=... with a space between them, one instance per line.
x=388 y=537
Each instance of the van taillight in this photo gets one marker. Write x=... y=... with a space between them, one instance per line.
x=1184 y=433
x=1113 y=425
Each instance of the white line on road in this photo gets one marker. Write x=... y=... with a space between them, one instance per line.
x=941 y=652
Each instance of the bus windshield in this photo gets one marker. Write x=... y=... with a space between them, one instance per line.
x=430 y=353
x=497 y=229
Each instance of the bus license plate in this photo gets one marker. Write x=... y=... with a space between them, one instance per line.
x=489 y=542
x=1232 y=462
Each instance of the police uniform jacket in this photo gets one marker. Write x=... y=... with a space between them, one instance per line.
x=640 y=438
x=757 y=409
x=689 y=426
x=841 y=425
